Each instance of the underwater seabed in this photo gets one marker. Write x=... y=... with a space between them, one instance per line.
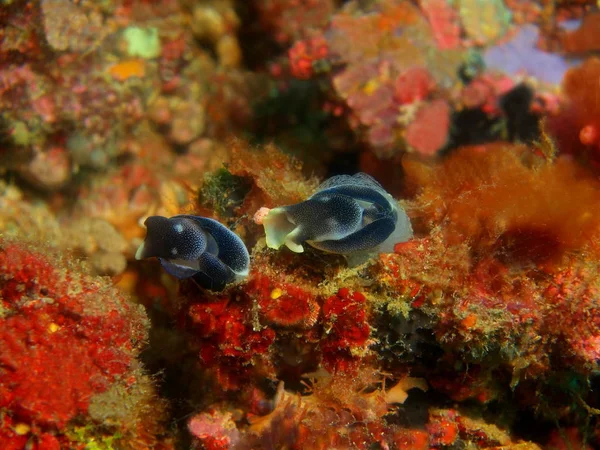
x=299 y=224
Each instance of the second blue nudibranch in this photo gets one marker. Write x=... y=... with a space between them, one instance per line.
x=346 y=215
x=192 y=246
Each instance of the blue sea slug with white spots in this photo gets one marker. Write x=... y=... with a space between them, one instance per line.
x=192 y=246
x=347 y=215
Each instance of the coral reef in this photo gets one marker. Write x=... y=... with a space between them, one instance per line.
x=477 y=124
x=386 y=82
x=369 y=49
x=95 y=93
x=498 y=297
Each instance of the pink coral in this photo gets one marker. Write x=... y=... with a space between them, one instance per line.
x=413 y=85
x=485 y=90
x=304 y=55
x=428 y=131
x=444 y=22
x=215 y=429
x=383 y=63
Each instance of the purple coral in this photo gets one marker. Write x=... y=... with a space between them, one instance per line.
x=521 y=55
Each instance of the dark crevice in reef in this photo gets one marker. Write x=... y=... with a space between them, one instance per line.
x=173 y=363
x=473 y=126
x=292 y=116
x=346 y=163
x=522 y=124
x=258 y=47
x=172 y=379
x=410 y=341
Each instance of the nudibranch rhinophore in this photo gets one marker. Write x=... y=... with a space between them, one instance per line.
x=346 y=215
x=193 y=246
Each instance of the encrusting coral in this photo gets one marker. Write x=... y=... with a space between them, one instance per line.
x=68 y=369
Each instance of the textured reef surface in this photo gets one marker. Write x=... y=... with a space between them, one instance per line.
x=299 y=224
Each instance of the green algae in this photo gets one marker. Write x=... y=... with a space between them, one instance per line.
x=142 y=42
x=20 y=134
x=223 y=191
x=88 y=435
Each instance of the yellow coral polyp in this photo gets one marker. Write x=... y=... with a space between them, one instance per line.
x=371 y=86
x=22 y=429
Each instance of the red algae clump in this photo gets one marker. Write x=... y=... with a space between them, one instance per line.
x=348 y=330
x=69 y=346
x=230 y=347
x=584 y=39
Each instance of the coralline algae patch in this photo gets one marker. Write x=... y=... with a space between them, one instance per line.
x=392 y=44
x=391 y=82
x=276 y=326
x=68 y=360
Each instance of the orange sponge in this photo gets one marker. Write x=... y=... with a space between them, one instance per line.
x=498 y=199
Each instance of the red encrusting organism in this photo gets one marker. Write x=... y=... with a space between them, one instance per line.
x=283 y=304
x=67 y=339
x=228 y=343
x=304 y=55
x=346 y=331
